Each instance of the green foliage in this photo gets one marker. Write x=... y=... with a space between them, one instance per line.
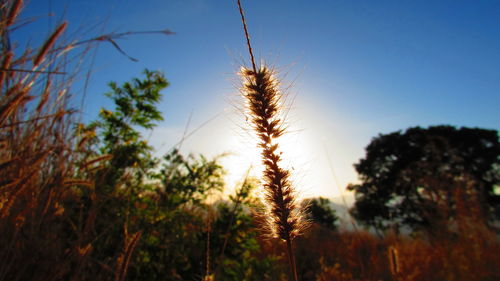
x=70 y=203
x=236 y=227
x=120 y=181
x=235 y=241
x=189 y=180
x=425 y=177
x=164 y=199
x=319 y=211
x=118 y=130
x=173 y=218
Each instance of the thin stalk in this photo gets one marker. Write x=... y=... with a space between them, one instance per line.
x=291 y=258
x=264 y=104
x=252 y=59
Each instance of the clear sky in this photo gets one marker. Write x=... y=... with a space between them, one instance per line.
x=354 y=68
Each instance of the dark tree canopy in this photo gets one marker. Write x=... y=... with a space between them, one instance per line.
x=424 y=177
x=320 y=211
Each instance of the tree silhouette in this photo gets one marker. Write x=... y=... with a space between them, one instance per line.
x=319 y=211
x=425 y=177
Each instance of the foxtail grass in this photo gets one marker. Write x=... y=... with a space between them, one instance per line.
x=284 y=218
x=264 y=103
x=124 y=260
x=48 y=203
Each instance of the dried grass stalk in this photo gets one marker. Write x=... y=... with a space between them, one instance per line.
x=14 y=11
x=79 y=182
x=48 y=44
x=48 y=205
x=99 y=159
x=285 y=220
x=5 y=66
x=394 y=261
x=124 y=260
x=264 y=102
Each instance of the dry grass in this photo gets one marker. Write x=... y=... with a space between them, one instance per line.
x=362 y=256
x=47 y=226
x=264 y=103
x=40 y=182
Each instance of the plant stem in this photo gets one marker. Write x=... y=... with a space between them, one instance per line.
x=291 y=259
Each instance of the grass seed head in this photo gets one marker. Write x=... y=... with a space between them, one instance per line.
x=49 y=44
x=260 y=90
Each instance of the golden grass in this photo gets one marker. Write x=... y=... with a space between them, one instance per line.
x=264 y=103
x=41 y=236
x=44 y=170
x=49 y=43
x=124 y=260
x=361 y=256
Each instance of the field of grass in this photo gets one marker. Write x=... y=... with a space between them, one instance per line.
x=91 y=202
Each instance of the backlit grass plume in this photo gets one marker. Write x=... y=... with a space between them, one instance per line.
x=284 y=219
x=263 y=98
x=264 y=103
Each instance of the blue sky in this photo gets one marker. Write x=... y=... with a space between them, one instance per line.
x=355 y=68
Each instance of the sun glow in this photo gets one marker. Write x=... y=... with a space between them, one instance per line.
x=297 y=154
x=317 y=153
